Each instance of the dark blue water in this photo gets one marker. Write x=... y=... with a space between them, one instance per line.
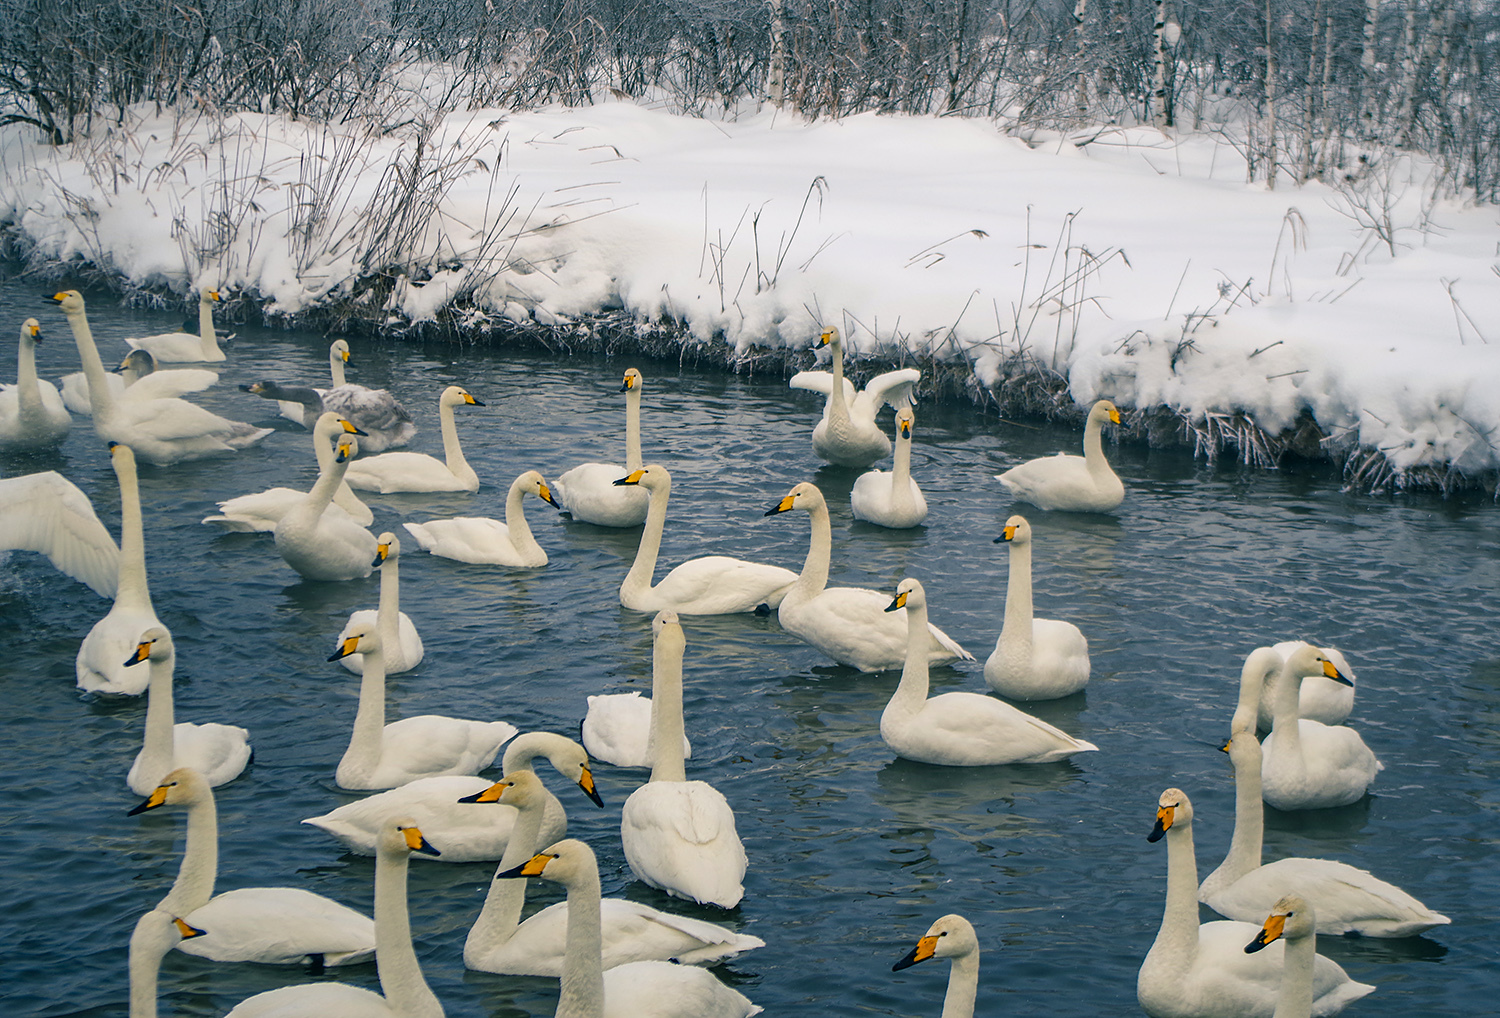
x=852 y=853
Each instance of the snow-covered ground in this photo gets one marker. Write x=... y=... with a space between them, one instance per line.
x=1140 y=267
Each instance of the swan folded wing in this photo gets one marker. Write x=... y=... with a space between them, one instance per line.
x=718 y=585
x=644 y=987
x=1221 y=945
x=681 y=837
x=699 y=941
x=260 y=511
x=433 y=745
x=172 y=419
x=218 y=752
x=1345 y=898
x=473 y=539
x=47 y=513
x=170 y=384
x=279 y=926
x=469 y=832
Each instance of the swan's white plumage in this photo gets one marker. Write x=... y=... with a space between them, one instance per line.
x=482 y=541
x=891 y=499
x=398 y=633
x=588 y=491
x=1033 y=659
x=375 y=411
x=617 y=730
x=1320 y=698
x=184 y=347
x=951 y=937
x=47 y=513
x=848 y=435
x=32 y=414
x=959 y=729
x=317 y=544
x=414 y=471
x=1083 y=484
x=1306 y=764
x=260 y=511
x=1294 y=921
x=137 y=379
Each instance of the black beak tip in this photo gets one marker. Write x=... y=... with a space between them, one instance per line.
x=139 y=808
x=621 y=482
x=474 y=797
x=336 y=655
x=514 y=871
x=595 y=797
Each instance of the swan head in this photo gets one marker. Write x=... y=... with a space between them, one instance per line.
x=122 y=457
x=155 y=644
x=362 y=638
x=1104 y=411
x=666 y=634
x=909 y=593
x=532 y=482
x=1307 y=660
x=565 y=755
x=828 y=337
x=209 y=295
x=31 y=329
x=1291 y=917
x=457 y=395
x=136 y=365
x=652 y=477
x=632 y=381
x=1017 y=532
x=950 y=937
x=1172 y=810
x=562 y=863
x=347 y=449
x=182 y=787
x=71 y=301
x=387 y=547
x=520 y=788
x=904 y=421
x=339 y=349
x=157 y=932
x=804 y=496
x=329 y=425
x=400 y=836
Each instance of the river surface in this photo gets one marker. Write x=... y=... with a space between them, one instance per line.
x=853 y=853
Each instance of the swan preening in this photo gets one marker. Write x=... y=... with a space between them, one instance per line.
x=1033 y=659
x=398 y=634
x=482 y=541
x=849 y=624
x=185 y=347
x=848 y=435
x=951 y=937
x=261 y=511
x=891 y=499
x=588 y=491
x=320 y=545
x=32 y=414
x=415 y=471
x=1083 y=484
x=47 y=513
x=1194 y=971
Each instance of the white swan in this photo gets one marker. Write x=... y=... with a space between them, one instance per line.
x=1308 y=765
x=849 y=624
x=1076 y=484
x=679 y=835
x=848 y=435
x=398 y=634
x=1348 y=899
x=376 y=411
x=47 y=513
x=500 y=942
x=260 y=511
x=318 y=544
x=1033 y=659
x=1293 y=921
x=1320 y=698
x=102 y=665
x=588 y=491
x=485 y=541
x=959 y=729
x=384 y=755
x=441 y=804
x=161 y=431
x=638 y=989
x=218 y=752
x=154 y=936
x=617 y=730
x=184 y=347
x=404 y=993
x=1202 y=971
x=32 y=414
x=414 y=471
x=891 y=499
x=137 y=378
x=271 y=925
x=951 y=937
x=710 y=585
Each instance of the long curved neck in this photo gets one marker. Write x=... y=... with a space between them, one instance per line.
x=323 y=449
x=901 y=497
x=814 y=575
x=1296 y=997
x=838 y=407
x=363 y=753
x=501 y=914
x=1249 y=815
x=145 y=967
x=453 y=453
x=388 y=615
x=1018 y=610
x=336 y=367
x=515 y=524
x=912 y=692
x=210 y=338
x=1093 y=446
x=156 y=748
x=1179 y=921
x=28 y=392
x=100 y=398
x=329 y=480
x=395 y=958
x=633 y=460
x=200 y=861
x=666 y=712
x=132 y=589
x=1286 y=689
x=963 y=983
x=582 y=986
x=641 y=570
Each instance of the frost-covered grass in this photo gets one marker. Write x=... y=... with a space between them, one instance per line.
x=1116 y=261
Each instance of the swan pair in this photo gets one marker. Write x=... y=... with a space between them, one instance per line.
x=959 y=729
x=261 y=511
x=1074 y=484
x=588 y=491
x=891 y=500
x=184 y=347
x=32 y=414
x=1329 y=701
x=321 y=545
x=375 y=411
x=391 y=472
x=1033 y=659
x=137 y=378
x=482 y=541
x=848 y=435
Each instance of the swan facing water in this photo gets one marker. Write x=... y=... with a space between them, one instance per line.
x=1033 y=659
x=1083 y=484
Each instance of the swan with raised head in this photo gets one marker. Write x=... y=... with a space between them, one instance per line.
x=404 y=993
x=218 y=752
x=439 y=804
x=270 y=925
x=891 y=499
x=849 y=624
x=161 y=431
x=710 y=585
x=415 y=471
x=959 y=729
x=951 y=937
x=137 y=378
x=398 y=634
x=317 y=544
x=617 y=730
x=637 y=989
x=848 y=435
x=1348 y=899
x=384 y=755
x=483 y=541
x=48 y=514
x=1306 y=764
x=679 y=835
x=185 y=347
x=1320 y=698
x=1033 y=659
x=1202 y=971
x=32 y=414
x=588 y=491
x=153 y=938
x=1081 y=484
x=261 y=511
x=1293 y=921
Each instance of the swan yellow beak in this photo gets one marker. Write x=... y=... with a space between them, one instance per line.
x=926 y=948
x=416 y=842
x=188 y=932
x=471 y=400
x=142 y=651
x=1114 y=416
x=1164 y=817
x=530 y=868
x=214 y=295
x=634 y=477
x=345 y=649
x=546 y=495
x=158 y=797
x=825 y=338
x=348 y=426
x=784 y=505
x=586 y=782
x=345 y=453
x=1275 y=926
x=35 y=330
x=899 y=603
x=1330 y=670
x=491 y=794
x=344 y=356
x=905 y=430
x=628 y=384
x=1008 y=534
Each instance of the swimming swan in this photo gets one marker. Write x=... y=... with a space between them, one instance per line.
x=414 y=471
x=184 y=347
x=710 y=585
x=218 y=752
x=48 y=514
x=959 y=729
x=384 y=755
x=1348 y=899
x=1202 y=971
x=376 y=411
x=137 y=378
x=1320 y=698
x=483 y=541
x=270 y=925
x=1293 y=921
x=155 y=934
x=261 y=511
x=617 y=730
x=318 y=544
x=588 y=491
x=679 y=835
x=848 y=435
x=950 y=937
x=439 y=804
x=849 y=624
x=893 y=499
x=1033 y=659
x=404 y=993
x=1075 y=484
x=32 y=414
x=1308 y=765
x=398 y=634
x=639 y=989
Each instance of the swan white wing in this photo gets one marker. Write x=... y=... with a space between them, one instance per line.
x=680 y=836
x=1345 y=898
x=168 y=419
x=658 y=989
x=617 y=730
x=218 y=752
x=401 y=658
x=970 y=730
x=893 y=387
x=168 y=384
x=431 y=745
x=376 y=412
x=474 y=539
x=100 y=665
x=261 y=511
x=393 y=472
x=1334 y=768
x=588 y=491
x=279 y=926
x=47 y=513
x=820 y=381
x=719 y=585
x=851 y=625
x=75 y=392
x=321 y=999
x=173 y=347
x=873 y=499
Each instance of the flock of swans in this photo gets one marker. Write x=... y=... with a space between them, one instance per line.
x=677 y=834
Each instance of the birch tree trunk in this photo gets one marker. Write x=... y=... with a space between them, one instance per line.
x=1081 y=96
x=1367 y=70
x=776 y=76
x=1159 y=114
x=1270 y=99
